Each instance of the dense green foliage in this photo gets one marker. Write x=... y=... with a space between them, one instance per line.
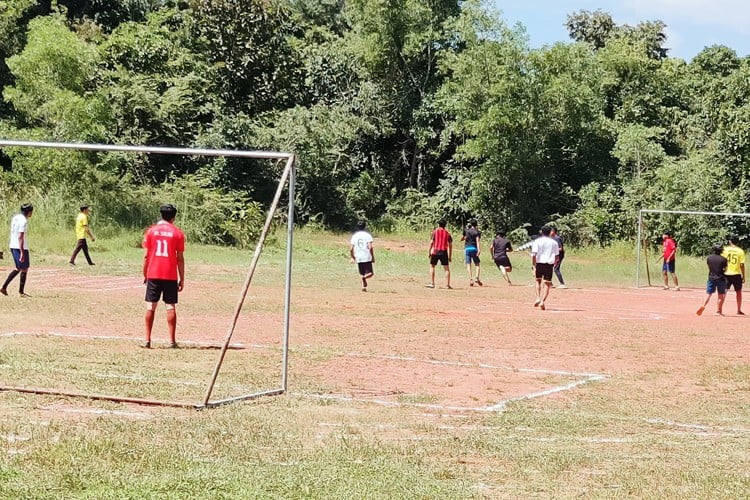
x=401 y=111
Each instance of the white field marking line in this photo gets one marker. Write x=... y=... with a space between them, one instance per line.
x=669 y=423
x=462 y=364
x=114 y=337
x=96 y=411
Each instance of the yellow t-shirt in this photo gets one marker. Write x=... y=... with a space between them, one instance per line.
x=735 y=256
x=82 y=222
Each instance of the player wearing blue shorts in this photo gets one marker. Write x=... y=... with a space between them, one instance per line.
x=717 y=265
x=472 y=238
x=19 y=247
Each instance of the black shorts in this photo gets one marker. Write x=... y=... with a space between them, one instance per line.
x=544 y=271
x=734 y=280
x=441 y=257
x=364 y=268
x=156 y=288
x=503 y=261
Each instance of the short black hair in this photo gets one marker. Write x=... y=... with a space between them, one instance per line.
x=718 y=248
x=361 y=225
x=500 y=232
x=84 y=207
x=473 y=222
x=442 y=222
x=168 y=212
x=546 y=230
x=27 y=208
x=734 y=239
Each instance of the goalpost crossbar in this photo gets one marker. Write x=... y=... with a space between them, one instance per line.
x=288 y=175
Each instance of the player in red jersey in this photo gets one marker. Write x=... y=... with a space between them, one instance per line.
x=163 y=270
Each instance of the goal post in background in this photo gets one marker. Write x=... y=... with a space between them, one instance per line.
x=642 y=248
x=287 y=176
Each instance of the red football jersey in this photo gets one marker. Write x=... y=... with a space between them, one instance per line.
x=162 y=241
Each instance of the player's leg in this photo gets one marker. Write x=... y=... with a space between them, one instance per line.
x=447 y=275
x=710 y=288
x=85 y=248
x=738 y=294
x=665 y=275
x=170 y=299
x=149 y=321
x=22 y=283
x=172 y=324
x=558 y=272
x=432 y=275
x=467 y=261
x=153 y=294
x=721 y=288
x=75 y=252
x=477 y=264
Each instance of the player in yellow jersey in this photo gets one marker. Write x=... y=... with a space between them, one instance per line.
x=82 y=230
x=735 y=272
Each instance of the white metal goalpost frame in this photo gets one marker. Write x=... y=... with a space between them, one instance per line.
x=287 y=175
x=680 y=212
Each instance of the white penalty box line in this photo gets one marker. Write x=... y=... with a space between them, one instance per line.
x=584 y=378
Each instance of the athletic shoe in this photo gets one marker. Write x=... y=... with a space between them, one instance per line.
x=173 y=345
x=146 y=345
x=562 y=286
x=72 y=264
x=542 y=306
x=449 y=287
x=536 y=304
x=364 y=288
x=677 y=289
x=719 y=313
x=24 y=295
x=479 y=282
x=740 y=313
x=3 y=291
x=430 y=285
x=665 y=288
x=700 y=310
x=471 y=282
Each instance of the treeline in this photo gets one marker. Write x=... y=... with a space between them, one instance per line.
x=401 y=111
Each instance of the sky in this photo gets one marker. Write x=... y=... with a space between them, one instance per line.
x=692 y=25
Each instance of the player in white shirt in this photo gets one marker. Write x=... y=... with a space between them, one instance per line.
x=544 y=255
x=19 y=247
x=362 y=253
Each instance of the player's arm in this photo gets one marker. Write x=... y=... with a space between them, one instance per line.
x=450 y=250
x=742 y=269
x=180 y=270
x=479 y=247
x=145 y=263
x=88 y=231
x=372 y=252
x=21 y=241
x=351 y=252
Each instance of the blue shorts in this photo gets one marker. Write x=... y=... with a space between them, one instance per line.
x=716 y=286
x=471 y=255
x=668 y=267
x=17 y=258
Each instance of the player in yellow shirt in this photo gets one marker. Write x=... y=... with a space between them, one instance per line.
x=82 y=230
x=735 y=272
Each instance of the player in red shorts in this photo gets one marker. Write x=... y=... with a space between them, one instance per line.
x=163 y=270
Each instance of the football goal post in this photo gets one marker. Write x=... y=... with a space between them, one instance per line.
x=642 y=248
x=287 y=179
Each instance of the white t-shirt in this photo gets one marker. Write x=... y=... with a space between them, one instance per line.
x=18 y=226
x=360 y=241
x=545 y=249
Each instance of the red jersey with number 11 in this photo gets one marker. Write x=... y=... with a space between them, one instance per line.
x=162 y=241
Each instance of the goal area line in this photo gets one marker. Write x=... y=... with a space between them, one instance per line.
x=287 y=176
